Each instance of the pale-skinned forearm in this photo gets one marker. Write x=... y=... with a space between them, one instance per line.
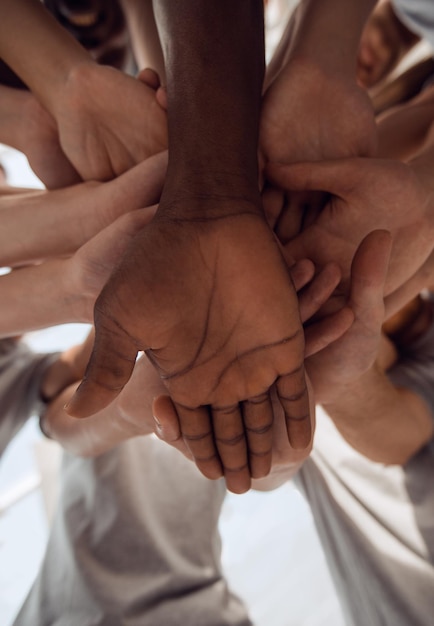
x=329 y=31
x=384 y=423
x=214 y=58
x=42 y=224
x=144 y=35
x=43 y=54
x=41 y=296
x=12 y=106
x=405 y=131
x=59 y=222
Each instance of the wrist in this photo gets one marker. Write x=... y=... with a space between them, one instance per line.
x=71 y=85
x=331 y=44
x=339 y=396
x=421 y=167
x=210 y=192
x=13 y=110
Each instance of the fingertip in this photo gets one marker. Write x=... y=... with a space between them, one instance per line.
x=238 y=484
x=301 y=439
x=161 y=96
x=149 y=77
x=302 y=273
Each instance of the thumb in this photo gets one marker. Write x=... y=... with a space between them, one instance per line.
x=337 y=177
x=109 y=369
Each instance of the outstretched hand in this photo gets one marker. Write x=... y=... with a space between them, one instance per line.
x=313 y=290
x=40 y=144
x=367 y=194
x=212 y=304
x=108 y=121
x=347 y=358
x=308 y=115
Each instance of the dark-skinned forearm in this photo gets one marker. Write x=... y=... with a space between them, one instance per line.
x=214 y=57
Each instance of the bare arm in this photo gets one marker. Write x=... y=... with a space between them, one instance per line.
x=38 y=49
x=64 y=290
x=107 y=121
x=384 y=423
x=38 y=225
x=144 y=35
x=404 y=130
x=26 y=126
x=191 y=272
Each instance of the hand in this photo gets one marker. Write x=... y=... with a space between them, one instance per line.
x=313 y=290
x=213 y=306
x=367 y=194
x=40 y=144
x=90 y=267
x=130 y=415
x=308 y=115
x=346 y=359
x=108 y=121
x=60 y=221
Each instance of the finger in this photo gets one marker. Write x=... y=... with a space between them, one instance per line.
x=161 y=96
x=302 y=273
x=307 y=205
x=293 y=396
x=149 y=77
x=369 y=271
x=232 y=447
x=411 y=288
x=319 y=291
x=336 y=177
x=198 y=436
x=258 y=423
x=290 y=222
x=273 y=202
x=331 y=328
x=108 y=371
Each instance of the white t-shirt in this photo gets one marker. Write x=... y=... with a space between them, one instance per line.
x=376 y=522
x=418 y=16
x=134 y=543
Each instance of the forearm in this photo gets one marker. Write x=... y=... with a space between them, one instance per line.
x=329 y=32
x=37 y=48
x=422 y=167
x=214 y=59
x=404 y=131
x=144 y=35
x=40 y=296
x=41 y=224
x=92 y=436
x=384 y=423
x=12 y=106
